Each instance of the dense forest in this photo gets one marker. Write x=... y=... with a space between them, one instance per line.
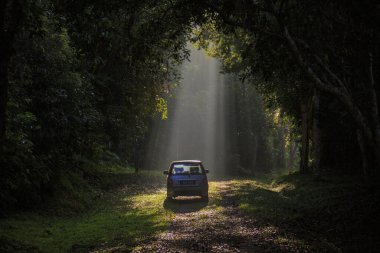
x=80 y=80
x=86 y=83
x=78 y=83
x=317 y=63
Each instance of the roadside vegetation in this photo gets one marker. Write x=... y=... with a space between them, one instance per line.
x=330 y=214
x=119 y=210
x=128 y=208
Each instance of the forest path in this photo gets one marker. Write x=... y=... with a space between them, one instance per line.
x=218 y=227
x=293 y=214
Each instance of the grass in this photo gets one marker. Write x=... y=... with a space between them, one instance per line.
x=120 y=217
x=121 y=209
x=325 y=215
x=330 y=214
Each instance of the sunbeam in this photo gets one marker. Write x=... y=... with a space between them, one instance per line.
x=196 y=126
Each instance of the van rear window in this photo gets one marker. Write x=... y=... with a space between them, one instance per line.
x=186 y=168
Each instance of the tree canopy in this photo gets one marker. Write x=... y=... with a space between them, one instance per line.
x=80 y=80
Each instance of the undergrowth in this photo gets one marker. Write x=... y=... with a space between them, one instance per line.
x=334 y=213
x=117 y=207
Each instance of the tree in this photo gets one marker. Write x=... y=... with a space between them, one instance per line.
x=80 y=81
x=333 y=53
x=10 y=17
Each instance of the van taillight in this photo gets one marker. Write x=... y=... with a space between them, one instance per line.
x=169 y=181
x=204 y=181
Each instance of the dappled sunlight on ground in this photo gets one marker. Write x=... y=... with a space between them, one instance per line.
x=220 y=227
x=116 y=223
x=242 y=215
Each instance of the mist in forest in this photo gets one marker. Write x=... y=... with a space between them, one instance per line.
x=195 y=128
x=220 y=120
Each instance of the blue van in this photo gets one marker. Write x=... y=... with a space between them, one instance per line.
x=187 y=178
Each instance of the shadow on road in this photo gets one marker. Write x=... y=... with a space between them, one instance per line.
x=185 y=204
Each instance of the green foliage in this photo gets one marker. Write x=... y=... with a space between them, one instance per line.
x=162 y=108
x=336 y=211
x=117 y=218
x=292 y=51
x=259 y=132
x=50 y=107
x=84 y=80
x=265 y=66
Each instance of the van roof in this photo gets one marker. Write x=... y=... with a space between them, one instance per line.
x=187 y=161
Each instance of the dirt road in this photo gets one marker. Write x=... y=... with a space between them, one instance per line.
x=216 y=228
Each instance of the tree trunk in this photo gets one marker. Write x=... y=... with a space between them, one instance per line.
x=281 y=137
x=4 y=62
x=362 y=152
x=304 y=164
x=375 y=118
x=254 y=153
x=376 y=167
x=10 y=17
x=316 y=134
x=292 y=154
